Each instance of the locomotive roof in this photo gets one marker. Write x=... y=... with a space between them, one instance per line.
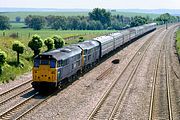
x=63 y=53
x=103 y=39
x=88 y=44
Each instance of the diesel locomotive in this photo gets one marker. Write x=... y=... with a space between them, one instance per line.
x=55 y=68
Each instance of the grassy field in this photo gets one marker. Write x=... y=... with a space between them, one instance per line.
x=178 y=42
x=44 y=33
x=13 y=15
x=10 y=70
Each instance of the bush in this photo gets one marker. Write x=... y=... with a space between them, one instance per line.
x=19 y=48
x=35 y=44
x=3 y=57
x=81 y=39
x=58 y=41
x=49 y=43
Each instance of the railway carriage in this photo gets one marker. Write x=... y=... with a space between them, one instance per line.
x=132 y=33
x=141 y=30
x=118 y=39
x=126 y=36
x=150 y=27
x=106 y=44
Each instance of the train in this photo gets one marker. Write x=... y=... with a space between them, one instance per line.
x=55 y=68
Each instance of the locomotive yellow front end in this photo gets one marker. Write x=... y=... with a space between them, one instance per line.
x=44 y=72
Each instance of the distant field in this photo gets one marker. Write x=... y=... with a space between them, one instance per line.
x=13 y=15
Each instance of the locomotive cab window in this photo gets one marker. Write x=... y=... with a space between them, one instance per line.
x=52 y=63
x=44 y=62
x=36 y=63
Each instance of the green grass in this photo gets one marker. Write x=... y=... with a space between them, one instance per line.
x=44 y=33
x=10 y=70
x=13 y=15
x=17 y=25
x=178 y=42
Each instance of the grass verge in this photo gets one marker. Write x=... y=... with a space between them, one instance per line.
x=178 y=42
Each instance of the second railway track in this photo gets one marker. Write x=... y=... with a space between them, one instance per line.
x=108 y=100
x=161 y=104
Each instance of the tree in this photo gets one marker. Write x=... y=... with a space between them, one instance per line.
x=35 y=44
x=91 y=25
x=3 y=57
x=138 y=20
x=99 y=25
x=4 y=23
x=18 y=19
x=19 y=48
x=58 y=41
x=27 y=21
x=115 y=24
x=74 y=22
x=35 y=22
x=58 y=22
x=83 y=24
x=100 y=15
x=165 y=18
x=49 y=43
x=178 y=18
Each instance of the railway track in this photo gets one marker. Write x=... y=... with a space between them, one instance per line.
x=14 y=92
x=105 y=73
x=15 y=88
x=24 y=107
x=98 y=110
x=6 y=100
x=160 y=103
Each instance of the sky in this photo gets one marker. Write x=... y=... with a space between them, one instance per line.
x=90 y=4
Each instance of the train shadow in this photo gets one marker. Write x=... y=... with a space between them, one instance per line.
x=28 y=94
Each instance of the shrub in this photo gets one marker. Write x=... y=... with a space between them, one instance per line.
x=19 y=48
x=81 y=39
x=49 y=43
x=35 y=44
x=3 y=57
x=58 y=41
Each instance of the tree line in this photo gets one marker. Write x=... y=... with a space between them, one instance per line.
x=98 y=19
